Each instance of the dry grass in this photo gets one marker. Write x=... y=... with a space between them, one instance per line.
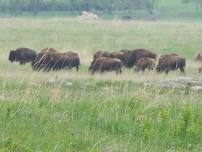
x=75 y=111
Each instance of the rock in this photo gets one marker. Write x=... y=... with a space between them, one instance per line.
x=196 y=88
x=181 y=83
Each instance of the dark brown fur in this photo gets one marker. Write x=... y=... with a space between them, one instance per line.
x=60 y=61
x=49 y=50
x=132 y=57
x=171 y=62
x=22 y=55
x=120 y=55
x=104 y=64
x=51 y=60
x=99 y=54
x=145 y=63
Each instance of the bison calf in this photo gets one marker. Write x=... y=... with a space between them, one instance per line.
x=104 y=64
x=22 y=55
x=145 y=63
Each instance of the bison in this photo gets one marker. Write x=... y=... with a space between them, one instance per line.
x=42 y=61
x=104 y=64
x=131 y=57
x=51 y=60
x=99 y=54
x=119 y=55
x=60 y=61
x=22 y=55
x=171 y=62
x=145 y=63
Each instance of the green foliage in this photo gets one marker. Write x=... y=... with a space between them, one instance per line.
x=74 y=111
x=131 y=8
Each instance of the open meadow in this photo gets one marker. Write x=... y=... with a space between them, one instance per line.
x=75 y=111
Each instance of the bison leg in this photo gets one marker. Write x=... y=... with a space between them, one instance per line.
x=92 y=72
x=118 y=71
x=77 y=68
x=182 y=70
x=22 y=63
x=166 y=71
x=143 y=70
x=199 y=70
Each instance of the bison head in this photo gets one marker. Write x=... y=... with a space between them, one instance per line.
x=12 y=56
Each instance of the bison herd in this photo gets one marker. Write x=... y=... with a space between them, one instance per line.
x=49 y=59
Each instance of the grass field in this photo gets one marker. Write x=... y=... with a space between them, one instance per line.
x=74 y=111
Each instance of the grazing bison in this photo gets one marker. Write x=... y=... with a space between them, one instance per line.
x=171 y=62
x=145 y=63
x=104 y=64
x=22 y=55
x=60 y=61
x=132 y=56
x=51 y=60
x=42 y=61
x=99 y=54
x=43 y=58
x=119 y=55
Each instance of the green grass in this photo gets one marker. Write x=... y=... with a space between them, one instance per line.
x=74 y=111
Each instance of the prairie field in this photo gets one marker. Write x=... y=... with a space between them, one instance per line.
x=75 y=111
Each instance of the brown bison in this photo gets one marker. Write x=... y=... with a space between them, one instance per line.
x=120 y=55
x=104 y=64
x=99 y=54
x=131 y=57
x=42 y=61
x=43 y=58
x=22 y=55
x=60 y=61
x=145 y=63
x=51 y=60
x=171 y=62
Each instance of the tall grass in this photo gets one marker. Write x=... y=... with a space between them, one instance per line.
x=74 y=111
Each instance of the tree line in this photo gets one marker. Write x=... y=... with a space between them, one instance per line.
x=16 y=7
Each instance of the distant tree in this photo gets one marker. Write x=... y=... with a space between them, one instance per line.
x=197 y=3
x=34 y=5
x=1 y=6
x=16 y=7
x=86 y=5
